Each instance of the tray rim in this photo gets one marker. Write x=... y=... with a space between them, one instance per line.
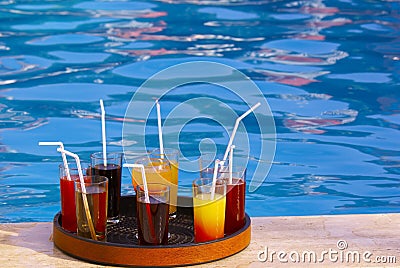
x=201 y=251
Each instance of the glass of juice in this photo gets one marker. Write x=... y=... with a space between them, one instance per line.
x=172 y=155
x=235 y=198
x=208 y=210
x=235 y=195
x=96 y=195
x=153 y=215
x=67 y=194
x=157 y=170
x=112 y=170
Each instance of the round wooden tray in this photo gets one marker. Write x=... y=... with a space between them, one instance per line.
x=121 y=247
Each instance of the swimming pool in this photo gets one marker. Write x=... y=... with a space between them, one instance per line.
x=328 y=69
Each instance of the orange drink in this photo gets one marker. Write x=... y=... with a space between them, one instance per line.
x=157 y=171
x=172 y=155
x=208 y=211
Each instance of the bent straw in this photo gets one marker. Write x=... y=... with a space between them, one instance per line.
x=146 y=195
x=103 y=132
x=146 y=190
x=84 y=197
x=214 y=181
x=231 y=163
x=64 y=157
x=235 y=129
x=160 y=136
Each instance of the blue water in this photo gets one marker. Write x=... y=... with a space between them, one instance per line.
x=330 y=71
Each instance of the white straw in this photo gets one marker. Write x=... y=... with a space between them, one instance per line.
x=235 y=129
x=214 y=181
x=144 y=180
x=64 y=157
x=84 y=197
x=231 y=163
x=160 y=136
x=103 y=132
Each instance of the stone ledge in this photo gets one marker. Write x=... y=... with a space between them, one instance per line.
x=368 y=235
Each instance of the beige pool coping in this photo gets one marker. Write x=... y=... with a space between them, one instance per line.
x=335 y=240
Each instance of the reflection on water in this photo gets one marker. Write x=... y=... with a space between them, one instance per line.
x=329 y=70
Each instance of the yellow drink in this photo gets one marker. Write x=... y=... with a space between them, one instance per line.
x=209 y=217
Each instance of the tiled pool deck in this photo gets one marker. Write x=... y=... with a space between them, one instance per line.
x=375 y=238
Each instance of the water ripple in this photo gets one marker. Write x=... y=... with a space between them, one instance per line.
x=329 y=71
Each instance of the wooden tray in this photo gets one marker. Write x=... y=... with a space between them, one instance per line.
x=121 y=247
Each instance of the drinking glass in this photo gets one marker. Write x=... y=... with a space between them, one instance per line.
x=96 y=195
x=152 y=215
x=208 y=210
x=157 y=170
x=67 y=194
x=235 y=195
x=172 y=155
x=235 y=198
x=113 y=172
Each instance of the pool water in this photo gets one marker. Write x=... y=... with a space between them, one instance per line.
x=330 y=71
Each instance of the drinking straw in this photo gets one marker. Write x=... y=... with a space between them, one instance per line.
x=64 y=157
x=160 y=136
x=235 y=129
x=146 y=190
x=84 y=197
x=103 y=132
x=214 y=181
x=231 y=163
x=146 y=195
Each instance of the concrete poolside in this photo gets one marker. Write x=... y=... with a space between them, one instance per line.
x=336 y=241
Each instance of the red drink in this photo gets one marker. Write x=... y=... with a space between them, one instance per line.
x=152 y=214
x=152 y=220
x=235 y=206
x=68 y=208
x=67 y=194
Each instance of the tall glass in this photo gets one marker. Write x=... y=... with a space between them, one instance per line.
x=113 y=172
x=172 y=156
x=153 y=217
x=67 y=194
x=157 y=170
x=235 y=198
x=235 y=195
x=96 y=195
x=209 y=214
